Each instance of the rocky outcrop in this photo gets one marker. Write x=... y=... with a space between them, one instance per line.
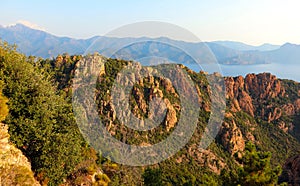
x=246 y=93
x=241 y=100
x=263 y=86
x=91 y=65
x=231 y=137
x=291 y=171
x=145 y=88
x=258 y=95
x=171 y=118
x=245 y=103
x=207 y=158
x=15 y=168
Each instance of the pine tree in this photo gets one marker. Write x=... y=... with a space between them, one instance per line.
x=256 y=168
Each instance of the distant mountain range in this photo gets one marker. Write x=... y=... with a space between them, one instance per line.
x=244 y=47
x=42 y=44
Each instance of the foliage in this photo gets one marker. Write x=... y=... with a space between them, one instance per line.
x=152 y=177
x=255 y=169
x=41 y=122
x=3 y=105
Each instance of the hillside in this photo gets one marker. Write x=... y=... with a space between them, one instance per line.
x=262 y=116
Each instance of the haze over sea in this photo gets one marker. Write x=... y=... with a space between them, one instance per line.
x=283 y=71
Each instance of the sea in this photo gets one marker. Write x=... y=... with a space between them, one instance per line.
x=282 y=71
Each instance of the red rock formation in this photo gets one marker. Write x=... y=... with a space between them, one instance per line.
x=263 y=86
x=245 y=102
x=253 y=93
x=231 y=137
x=274 y=115
x=240 y=98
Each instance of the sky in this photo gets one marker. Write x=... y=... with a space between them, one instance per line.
x=250 y=21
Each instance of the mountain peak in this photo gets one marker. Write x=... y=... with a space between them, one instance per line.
x=25 y=25
x=288 y=45
x=17 y=26
x=22 y=29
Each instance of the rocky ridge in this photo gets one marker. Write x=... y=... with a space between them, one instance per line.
x=258 y=95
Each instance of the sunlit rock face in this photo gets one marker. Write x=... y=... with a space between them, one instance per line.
x=15 y=168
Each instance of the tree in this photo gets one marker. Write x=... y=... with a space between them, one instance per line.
x=41 y=122
x=152 y=177
x=255 y=169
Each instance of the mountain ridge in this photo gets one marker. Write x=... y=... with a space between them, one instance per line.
x=246 y=47
x=42 y=44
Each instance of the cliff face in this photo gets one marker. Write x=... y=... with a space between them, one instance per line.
x=249 y=93
x=237 y=93
x=15 y=168
x=144 y=90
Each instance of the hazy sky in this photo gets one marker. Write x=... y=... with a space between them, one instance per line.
x=250 y=21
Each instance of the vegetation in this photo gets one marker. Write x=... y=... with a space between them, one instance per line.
x=12 y=172
x=40 y=120
x=255 y=169
x=3 y=104
x=152 y=177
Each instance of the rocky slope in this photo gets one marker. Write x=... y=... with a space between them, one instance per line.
x=268 y=99
x=265 y=97
x=15 y=169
